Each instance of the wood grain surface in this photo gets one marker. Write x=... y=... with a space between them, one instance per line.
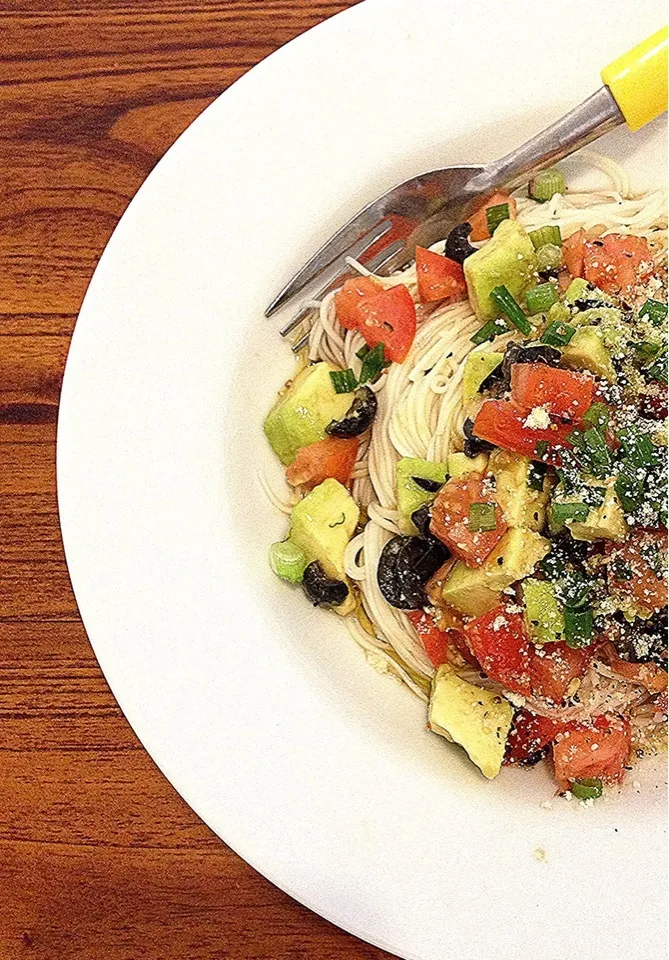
x=99 y=857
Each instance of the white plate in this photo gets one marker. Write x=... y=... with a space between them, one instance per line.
x=260 y=710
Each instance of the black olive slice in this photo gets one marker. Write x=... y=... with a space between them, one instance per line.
x=358 y=418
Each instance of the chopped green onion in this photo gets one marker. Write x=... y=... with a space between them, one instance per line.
x=541 y=448
x=540 y=299
x=597 y=416
x=287 y=561
x=594 y=453
x=373 y=364
x=501 y=297
x=561 y=512
x=535 y=475
x=646 y=349
x=578 y=627
x=546 y=184
x=362 y=352
x=544 y=235
x=558 y=334
x=655 y=311
x=489 y=331
x=573 y=590
x=495 y=215
x=482 y=517
x=658 y=370
x=588 y=788
x=638 y=449
x=629 y=488
x=344 y=381
x=549 y=257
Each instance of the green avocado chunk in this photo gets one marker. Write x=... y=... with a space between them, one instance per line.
x=477 y=719
x=479 y=364
x=544 y=615
x=507 y=259
x=586 y=351
x=411 y=495
x=299 y=417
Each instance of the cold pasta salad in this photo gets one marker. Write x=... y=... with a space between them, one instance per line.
x=475 y=453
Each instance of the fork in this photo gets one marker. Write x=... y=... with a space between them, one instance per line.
x=420 y=211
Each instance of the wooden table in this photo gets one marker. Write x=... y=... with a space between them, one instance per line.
x=99 y=858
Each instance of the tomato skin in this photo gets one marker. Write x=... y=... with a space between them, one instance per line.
x=573 y=251
x=389 y=318
x=333 y=457
x=552 y=668
x=450 y=519
x=529 y=735
x=438 y=278
x=616 y=263
x=500 y=644
x=567 y=395
x=575 y=758
x=479 y=221
x=348 y=299
x=644 y=587
x=436 y=642
x=502 y=422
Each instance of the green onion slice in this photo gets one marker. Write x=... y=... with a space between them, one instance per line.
x=658 y=370
x=546 y=184
x=495 y=215
x=637 y=447
x=503 y=300
x=558 y=333
x=578 y=627
x=288 y=561
x=343 y=381
x=588 y=788
x=541 y=448
x=549 y=257
x=544 y=235
x=373 y=364
x=535 y=475
x=540 y=299
x=597 y=416
x=489 y=331
x=482 y=517
x=574 y=510
x=655 y=311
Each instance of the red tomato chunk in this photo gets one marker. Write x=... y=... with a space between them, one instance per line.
x=332 y=457
x=502 y=422
x=599 y=750
x=564 y=394
x=438 y=278
x=450 y=519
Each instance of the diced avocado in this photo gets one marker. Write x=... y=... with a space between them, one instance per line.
x=522 y=506
x=585 y=351
x=558 y=313
x=477 y=719
x=460 y=465
x=508 y=259
x=466 y=590
x=299 y=417
x=411 y=495
x=479 y=364
x=322 y=525
x=580 y=289
x=606 y=522
x=544 y=615
x=475 y=591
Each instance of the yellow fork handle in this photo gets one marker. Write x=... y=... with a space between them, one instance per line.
x=638 y=80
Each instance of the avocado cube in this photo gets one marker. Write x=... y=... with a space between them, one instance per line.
x=322 y=525
x=514 y=557
x=479 y=364
x=411 y=495
x=544 y=615
x=586 y=351
x=606 y=522
x=507 y=259
x=522 y=506
x=301 y=414
x=477 y=719
x=466 y=589
x=459 y=465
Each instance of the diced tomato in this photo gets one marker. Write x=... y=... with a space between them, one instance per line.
x=529 y=735
x=564 y=393
x=637 y=568
x=479 y=220
x=649 y=675
x=599 y=749
x=500 y=644
x=348 y=299
x=439 y=278
x=450 y=519
x=502 y=422
x=332 y=457
x=435 y=641
x=616 y=263
x=553 y=667
x=573 y=251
